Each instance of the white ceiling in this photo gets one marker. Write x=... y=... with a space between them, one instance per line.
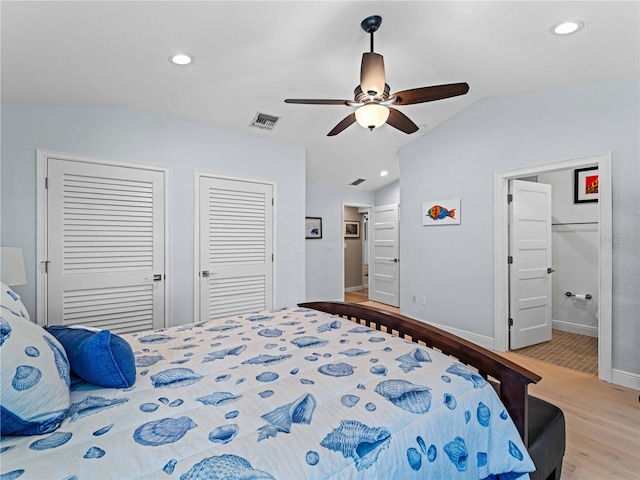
x=250 y=56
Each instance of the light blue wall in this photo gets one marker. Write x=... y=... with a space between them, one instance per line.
x=182 y=147
x=389 y=194
x=324 y=256
x=453 y=265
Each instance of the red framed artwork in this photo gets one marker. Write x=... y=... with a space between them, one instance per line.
x=585 y=185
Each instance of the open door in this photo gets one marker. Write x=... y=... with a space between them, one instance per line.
x=530 y=269
x=384 y=266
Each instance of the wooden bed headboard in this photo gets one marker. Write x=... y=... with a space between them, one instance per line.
x=513 y=378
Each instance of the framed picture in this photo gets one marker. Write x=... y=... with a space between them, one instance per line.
x=441 y=212
x=351 y=229
x=313 y=227
x=585 y=185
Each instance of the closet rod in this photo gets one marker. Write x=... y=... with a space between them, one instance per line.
x=577 y=223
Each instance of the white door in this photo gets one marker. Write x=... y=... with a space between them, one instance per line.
x=384 y=269
x=105 y=246
x=236 y=247
x=530 y=271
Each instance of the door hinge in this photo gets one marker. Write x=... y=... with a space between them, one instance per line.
x=509 y=259
x=509 y=197
x=273 y=202
x=46 y=182
x=511 y=322
x=272 y=257
x=46 y=266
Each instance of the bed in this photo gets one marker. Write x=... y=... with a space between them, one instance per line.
x=312 y=391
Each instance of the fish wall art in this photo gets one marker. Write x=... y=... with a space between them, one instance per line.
x=441 y=212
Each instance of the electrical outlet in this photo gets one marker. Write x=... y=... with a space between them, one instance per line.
x=413 y=299
x=423 y=300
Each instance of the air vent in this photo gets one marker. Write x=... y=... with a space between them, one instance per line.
x=265 y=121
x=358 y=181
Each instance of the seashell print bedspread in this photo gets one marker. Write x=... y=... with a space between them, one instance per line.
x=290 y=394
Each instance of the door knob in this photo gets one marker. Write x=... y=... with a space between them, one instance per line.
x=550 y=270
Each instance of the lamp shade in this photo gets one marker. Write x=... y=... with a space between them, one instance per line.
x=12 y=266
x=372 y=115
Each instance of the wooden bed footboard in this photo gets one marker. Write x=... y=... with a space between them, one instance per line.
x=513 y=378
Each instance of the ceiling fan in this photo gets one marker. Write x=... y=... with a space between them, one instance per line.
x=375 y=104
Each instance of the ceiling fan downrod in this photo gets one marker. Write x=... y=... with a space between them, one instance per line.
x=370 y=25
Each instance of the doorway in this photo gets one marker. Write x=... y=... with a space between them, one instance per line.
x=355 y=251
x=501 y=251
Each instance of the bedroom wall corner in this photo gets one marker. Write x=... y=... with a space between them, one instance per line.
x=183 y=147
x=454 y=264
x=324 y=268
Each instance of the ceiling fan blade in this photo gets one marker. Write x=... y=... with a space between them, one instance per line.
x=317 y=101
x=429 y=94
x=372 y=74
x=346 y=122
x=399 y=120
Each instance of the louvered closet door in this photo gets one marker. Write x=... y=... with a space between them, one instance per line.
x=105 y=244
x=236 y=247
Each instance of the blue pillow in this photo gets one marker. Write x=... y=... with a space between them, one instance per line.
x=99 y=357
x=35 y=372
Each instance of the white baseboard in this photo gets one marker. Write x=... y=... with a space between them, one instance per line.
x=574 y=328
x=481 y=340
x=625 y=379
x=352 y=289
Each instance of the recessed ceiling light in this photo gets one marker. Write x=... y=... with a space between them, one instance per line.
x=565 y=28
x=384 y=173
x=181 y=59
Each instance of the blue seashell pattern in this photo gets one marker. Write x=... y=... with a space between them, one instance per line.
x=457 y=453
x=175 y=378
x=161 y=432
x=308 y=342
x=468 y=374
x=95 y=452
x=412 y=360
x=26 y=377
x=5 y=330
x=483 y=414
x=91 y=405
x=31 y=352
x=54 y=440
x=60 y=359
x=266 y=359
x=349 y=400
x=170 y=466
x=336 y=369
x=223 y=434
x=219 y=398
x=406 y=395
x=414 y=457
x=148 y=360
x=355 y=440
x=225 y=466
x=322 y=413
x=282 y=418
x=312 y=458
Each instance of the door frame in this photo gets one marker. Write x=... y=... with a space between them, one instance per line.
x=501 y=243
x=197 y=175
x=42 y=232
x=356 y=205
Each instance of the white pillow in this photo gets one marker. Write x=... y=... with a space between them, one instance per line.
x=35 y=372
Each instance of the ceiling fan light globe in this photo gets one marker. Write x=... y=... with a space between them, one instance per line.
x=372 y=115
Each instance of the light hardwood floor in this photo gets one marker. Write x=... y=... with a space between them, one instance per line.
x=602 y=419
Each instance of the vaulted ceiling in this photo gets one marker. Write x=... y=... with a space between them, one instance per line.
x=250 y=56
